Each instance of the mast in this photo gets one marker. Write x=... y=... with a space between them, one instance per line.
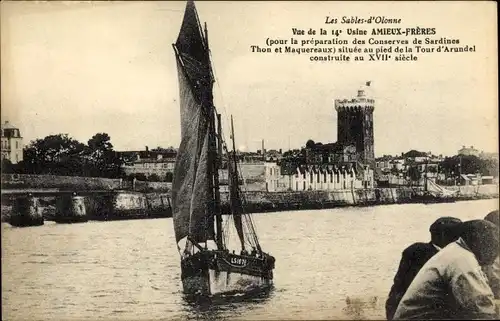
x=219 y=136
x=214 y=155
x=216 y=161
x=235 y=193
x=234 y=150
x=425 y=174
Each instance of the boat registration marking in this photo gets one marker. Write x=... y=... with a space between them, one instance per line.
x=238 y=261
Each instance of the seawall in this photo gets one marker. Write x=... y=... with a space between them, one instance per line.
x=297 y=200
x=139 y=205
x=103 y=207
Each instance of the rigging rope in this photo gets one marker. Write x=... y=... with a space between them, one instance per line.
x=217 y=81
x=245 y=216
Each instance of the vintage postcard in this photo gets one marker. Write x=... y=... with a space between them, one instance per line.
x=249 y=160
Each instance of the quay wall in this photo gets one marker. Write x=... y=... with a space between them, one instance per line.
x=120 y=205
x=128 y=205
x=136 y=205
x=471 y=190
x=290 y=200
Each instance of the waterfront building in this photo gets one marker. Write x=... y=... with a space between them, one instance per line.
x=328 y=178
x=270 y=177
x=12 y=143
x=273 y=177
x=159 y=161
x=468 y=151
x=253 y=175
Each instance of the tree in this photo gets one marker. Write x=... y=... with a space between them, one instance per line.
x=100 y=142
x=310 y=143
x=63 y=155
x=413 y=173
x=101 y=160
x=54 y=154
x=469 y=164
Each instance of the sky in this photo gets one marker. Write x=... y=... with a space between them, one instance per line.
x=86 y=67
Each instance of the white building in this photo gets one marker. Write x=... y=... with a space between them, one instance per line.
x=12 y=143
x=327 y=178
x=267 y=176
x=273 y=177
x=468 y=151
x=159 y=166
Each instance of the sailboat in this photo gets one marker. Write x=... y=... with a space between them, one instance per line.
x=208 y=265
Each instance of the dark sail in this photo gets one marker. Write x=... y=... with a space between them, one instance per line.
x=236 y=204
x=191 y=187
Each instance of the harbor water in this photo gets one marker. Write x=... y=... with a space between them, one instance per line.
x=330 y=264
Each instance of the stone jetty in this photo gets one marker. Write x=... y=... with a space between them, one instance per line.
x=26 y=211
x=70 y=209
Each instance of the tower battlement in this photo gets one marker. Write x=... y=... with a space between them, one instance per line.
x=359 y=102
x=354 y=107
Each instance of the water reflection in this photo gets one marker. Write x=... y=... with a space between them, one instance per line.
x=214 y=307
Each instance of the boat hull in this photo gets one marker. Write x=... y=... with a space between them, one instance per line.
x=218 y=272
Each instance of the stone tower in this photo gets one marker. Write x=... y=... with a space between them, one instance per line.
x=355 y=125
